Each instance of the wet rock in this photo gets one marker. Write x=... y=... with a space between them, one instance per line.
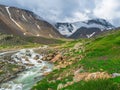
x=26 y=59
x=45 y=67
x=23 y=57
x=44 y=58
x=46 y=73
x=17 y=57
x=51 y=54
x=49 y=58
x=28 y=64
x=28 y=53
x=36 y=78
x=39 y=61
x=19 y=63
x=36 y=57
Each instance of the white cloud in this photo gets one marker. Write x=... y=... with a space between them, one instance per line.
x=71 y=10
x=107 y=9
x=78 y=16
x=87 y=11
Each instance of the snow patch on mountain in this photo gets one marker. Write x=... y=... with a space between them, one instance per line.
x=7 y=9
x=24 y=17
x=68 y=29
x=38 y=26
x=89 y=36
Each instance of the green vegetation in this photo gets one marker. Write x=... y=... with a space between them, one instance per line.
x=101 y=54
x=15 y=42
x=106 y=84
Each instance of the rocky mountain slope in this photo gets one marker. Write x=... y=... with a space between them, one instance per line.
x=24 y=23
x=84 y=32
x=83 y=29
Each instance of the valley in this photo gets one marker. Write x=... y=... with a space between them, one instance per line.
x=36 y=54
x=77 y=64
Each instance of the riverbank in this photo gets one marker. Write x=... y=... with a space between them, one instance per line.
x=24 y=70
x=8 y=70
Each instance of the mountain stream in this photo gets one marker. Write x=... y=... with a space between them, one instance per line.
x=34 y=72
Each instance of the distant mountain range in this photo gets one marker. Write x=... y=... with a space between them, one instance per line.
x=85 y=29
x=25 y=23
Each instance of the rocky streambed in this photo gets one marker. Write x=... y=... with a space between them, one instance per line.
x=28 y=69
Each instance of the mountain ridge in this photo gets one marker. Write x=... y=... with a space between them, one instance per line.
x=68 y=29
x=22 y=22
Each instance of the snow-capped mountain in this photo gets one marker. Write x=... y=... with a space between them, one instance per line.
x=22 y=22
x=68 y=29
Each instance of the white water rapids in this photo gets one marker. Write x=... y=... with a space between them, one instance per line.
x=35 y=69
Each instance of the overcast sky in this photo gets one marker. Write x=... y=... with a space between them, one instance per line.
x=71 y=10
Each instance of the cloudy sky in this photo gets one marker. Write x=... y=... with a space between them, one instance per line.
x=71 y=10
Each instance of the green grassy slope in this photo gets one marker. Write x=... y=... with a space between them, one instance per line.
x=10 y=41
x=101 y=54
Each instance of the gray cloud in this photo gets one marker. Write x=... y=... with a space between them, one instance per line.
x=71 y=10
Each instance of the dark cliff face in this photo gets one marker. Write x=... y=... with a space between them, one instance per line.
x=85 y=33
x=65 y=25
x=102 y=22
x=25 y=23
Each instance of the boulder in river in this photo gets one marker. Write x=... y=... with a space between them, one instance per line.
x=36 y=57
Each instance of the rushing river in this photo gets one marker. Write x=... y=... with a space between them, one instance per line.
x=35 y=69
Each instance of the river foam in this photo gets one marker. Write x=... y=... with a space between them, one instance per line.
x=35 y=69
